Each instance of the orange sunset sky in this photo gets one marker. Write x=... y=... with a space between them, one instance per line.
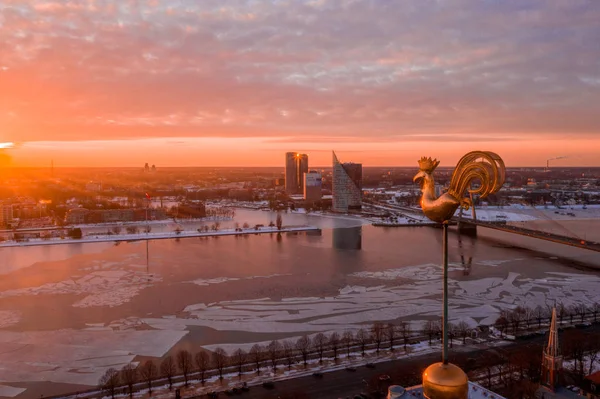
x=240 y=82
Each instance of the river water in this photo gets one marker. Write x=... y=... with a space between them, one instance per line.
x=68 y=312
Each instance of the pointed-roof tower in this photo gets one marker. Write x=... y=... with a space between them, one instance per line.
x=552 y=360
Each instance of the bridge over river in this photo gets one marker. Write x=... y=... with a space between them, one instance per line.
x=542 y=235
x=503 y=226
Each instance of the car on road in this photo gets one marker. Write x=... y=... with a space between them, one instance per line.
x=268 y=385
x=384 y=377
x=350 y=368
x=370 y=365
x=318 y=374
x=213 y=394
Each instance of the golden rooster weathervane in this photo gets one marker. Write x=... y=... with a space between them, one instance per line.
x=488 y=169
x=484 y=166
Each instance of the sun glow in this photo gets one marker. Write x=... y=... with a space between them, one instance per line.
x=7 y=145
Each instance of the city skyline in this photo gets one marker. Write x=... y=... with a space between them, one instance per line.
x=226 y=83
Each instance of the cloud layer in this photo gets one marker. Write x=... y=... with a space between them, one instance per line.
x=320 y=70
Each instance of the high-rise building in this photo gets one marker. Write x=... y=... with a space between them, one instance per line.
x=296 y=165
x=347 y=186
x=312 y=186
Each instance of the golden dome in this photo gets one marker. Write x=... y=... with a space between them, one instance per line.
x=445 y=381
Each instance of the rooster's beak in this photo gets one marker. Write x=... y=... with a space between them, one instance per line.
x=419 y=176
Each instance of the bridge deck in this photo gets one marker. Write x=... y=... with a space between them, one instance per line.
x=542 y=235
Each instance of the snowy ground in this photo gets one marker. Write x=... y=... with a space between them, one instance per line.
x=151 y=236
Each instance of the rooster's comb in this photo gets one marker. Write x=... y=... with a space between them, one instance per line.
x=428 y=165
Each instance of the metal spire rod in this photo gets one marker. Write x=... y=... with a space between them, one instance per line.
x=486 y=167
x=445 y=299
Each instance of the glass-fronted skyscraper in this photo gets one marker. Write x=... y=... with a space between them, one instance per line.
x=296 y=165
x=346 y=186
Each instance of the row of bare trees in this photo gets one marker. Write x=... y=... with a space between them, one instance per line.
x=276 y=353
x=523 y=317
x=434 y=328
x=220 y=211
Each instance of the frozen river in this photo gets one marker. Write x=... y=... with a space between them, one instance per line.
x=69 y=312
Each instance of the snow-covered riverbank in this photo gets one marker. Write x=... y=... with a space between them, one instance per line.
x=154 y=236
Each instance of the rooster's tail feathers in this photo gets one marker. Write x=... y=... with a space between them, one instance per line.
x=485 y=166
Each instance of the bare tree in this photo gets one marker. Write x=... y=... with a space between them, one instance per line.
x=595 y=309
x=129 y=376
x=274 y=349
x=132 y=230
x=391 y=333
x=451 y=333
x=580 y=310
x=462 y=329
x=110 y=381
x=362 y=338
x=303 y=346
x=168 y=369
x=405 y=332
x=334 y=343
x=488 y=364
x=528 y=315
x=377 y=334
x=501 y=324
x=429 y=329
x=515 y=318
x=279 y=221
x=289 y=353
x=320 y=343
x=439 y=327
x=593 y=351
x=185 y=362
x=147 y=229
x=219 y=360
x=239 y=358
x=348 y=340
x=116 y=229
x=148 y=373
x=574 y=347
x=257 y=354
x=561 y=310
x=203 y=363
x=539 y=314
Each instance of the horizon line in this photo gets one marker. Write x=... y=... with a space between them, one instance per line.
x=271 y=166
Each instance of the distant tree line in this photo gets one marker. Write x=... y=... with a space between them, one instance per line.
x=523 y=318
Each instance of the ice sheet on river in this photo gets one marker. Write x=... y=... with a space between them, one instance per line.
x=418 y=298
x=103 y=288
x=76 y=357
